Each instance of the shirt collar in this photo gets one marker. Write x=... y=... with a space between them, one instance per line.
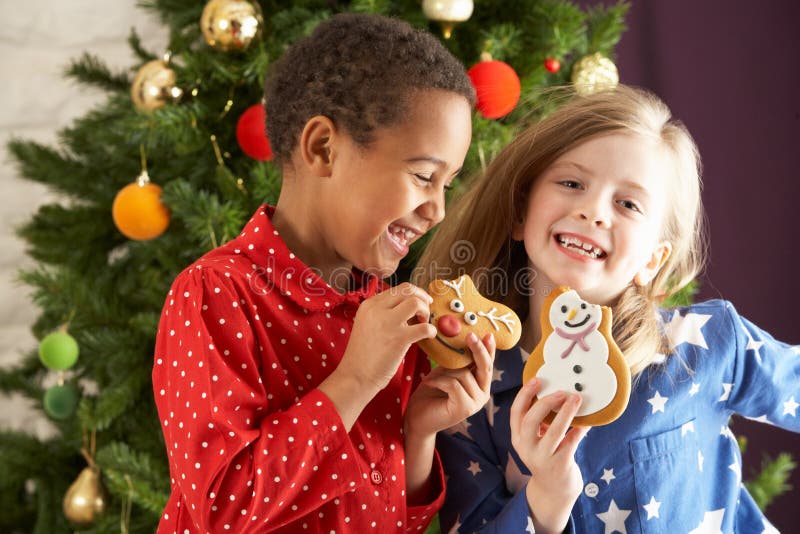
x=278 y=269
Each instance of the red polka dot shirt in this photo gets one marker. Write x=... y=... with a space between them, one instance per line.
x=247 y=334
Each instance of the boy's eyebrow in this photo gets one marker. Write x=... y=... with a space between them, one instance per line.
x=431 y=159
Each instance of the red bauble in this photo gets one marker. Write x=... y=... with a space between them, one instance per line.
x=497 y=87
x=251 y=133
x=552 y=64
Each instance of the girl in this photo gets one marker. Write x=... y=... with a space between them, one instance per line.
x=603 y=195
x=284 y=367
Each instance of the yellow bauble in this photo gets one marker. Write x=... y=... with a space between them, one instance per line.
x=231 y=24
x=154 y=85
x=138 y=211
x=85 y=499
x=594 y=73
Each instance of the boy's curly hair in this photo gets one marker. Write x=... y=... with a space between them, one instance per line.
x=359 y=71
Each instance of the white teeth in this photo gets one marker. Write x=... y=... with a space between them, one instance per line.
x=580 y=247
x=403 y=235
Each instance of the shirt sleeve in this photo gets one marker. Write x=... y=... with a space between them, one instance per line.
x=419 y=517
x=240 y=464
x=766 y=376
x=478 y=499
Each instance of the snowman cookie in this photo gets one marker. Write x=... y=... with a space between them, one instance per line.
x=577 y=353
x=458 y=310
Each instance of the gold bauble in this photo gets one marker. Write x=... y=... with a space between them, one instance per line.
x=85 y=499
x=447 y=12
x=594 y=73
x=154 y=85
x=231 y=24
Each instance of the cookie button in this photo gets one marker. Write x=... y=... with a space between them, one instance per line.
x=578 y=387
x=591 y=490
x=376 y=477
x=577 y=369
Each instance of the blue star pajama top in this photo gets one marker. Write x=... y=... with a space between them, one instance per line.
x=669 y=464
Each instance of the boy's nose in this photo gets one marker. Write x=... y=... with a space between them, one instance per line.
x=449 y=325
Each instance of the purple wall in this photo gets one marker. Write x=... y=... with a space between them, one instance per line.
x=730 y=70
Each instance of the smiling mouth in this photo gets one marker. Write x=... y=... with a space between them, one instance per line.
x=576 y=325
x=445 y=343
x=579 y=247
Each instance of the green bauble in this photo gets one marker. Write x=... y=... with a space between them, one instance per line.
x=60 y=401
x=58 y=351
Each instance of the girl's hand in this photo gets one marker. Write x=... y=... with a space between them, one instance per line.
x=447 y=396
x=549 y=453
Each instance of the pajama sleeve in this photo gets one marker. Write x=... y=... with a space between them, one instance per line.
x=241 y=464
x=765 y=383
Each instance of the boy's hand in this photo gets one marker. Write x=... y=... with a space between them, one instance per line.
x=549 y=453
x=447 y=396
x=382 y=334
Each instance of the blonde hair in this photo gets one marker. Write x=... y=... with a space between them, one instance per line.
x=475 y=237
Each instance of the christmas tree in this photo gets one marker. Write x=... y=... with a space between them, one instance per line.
x=170 y=166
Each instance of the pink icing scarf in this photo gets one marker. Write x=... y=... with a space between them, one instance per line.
x=577 y=338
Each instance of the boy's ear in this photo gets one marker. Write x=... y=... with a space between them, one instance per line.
x=315 y=145
x=658 y=258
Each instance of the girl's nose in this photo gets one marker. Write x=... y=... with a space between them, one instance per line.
x=595 y=213
x=449 y=325
x=433 y=208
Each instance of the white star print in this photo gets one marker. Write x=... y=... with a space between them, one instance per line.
x=796 y=349
x=658 y=402
x=686 y=329
x=727 y=432
x=524 y=355
x=614 y=519
x=753 y=345
x=736 y=469
x=652 y=508
x=695 y=389
x=768 y=528
x=497 y=374
x=726 y=391
x=700 y=460
x=790 y=407
x=529 y=527
x=687 y=427
x=608 y=475
x=711 y=523
x=460 y=428
x=474 y=468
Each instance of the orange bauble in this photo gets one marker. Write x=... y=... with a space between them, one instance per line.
x=138 y=211
x=497 y=87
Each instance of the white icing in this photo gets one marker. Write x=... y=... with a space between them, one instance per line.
x=456 y=305
x=505 y=319
x=597 y=379
x=455 y=285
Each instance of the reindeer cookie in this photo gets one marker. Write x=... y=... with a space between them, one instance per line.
x=459 y=309
x=577 y=353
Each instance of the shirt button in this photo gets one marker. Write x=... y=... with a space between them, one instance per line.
x=591 y=490
x=376 y=476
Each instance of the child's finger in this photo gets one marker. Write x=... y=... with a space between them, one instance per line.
x=483 y=353
x=569 y=445
x=521 y=405
x=451 y=387
x=420 y=331
x=536 y=414
x=410 y=308
x=399 y=293
x=560 y=424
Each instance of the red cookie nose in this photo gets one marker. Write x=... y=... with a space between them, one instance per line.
x=449 y=325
